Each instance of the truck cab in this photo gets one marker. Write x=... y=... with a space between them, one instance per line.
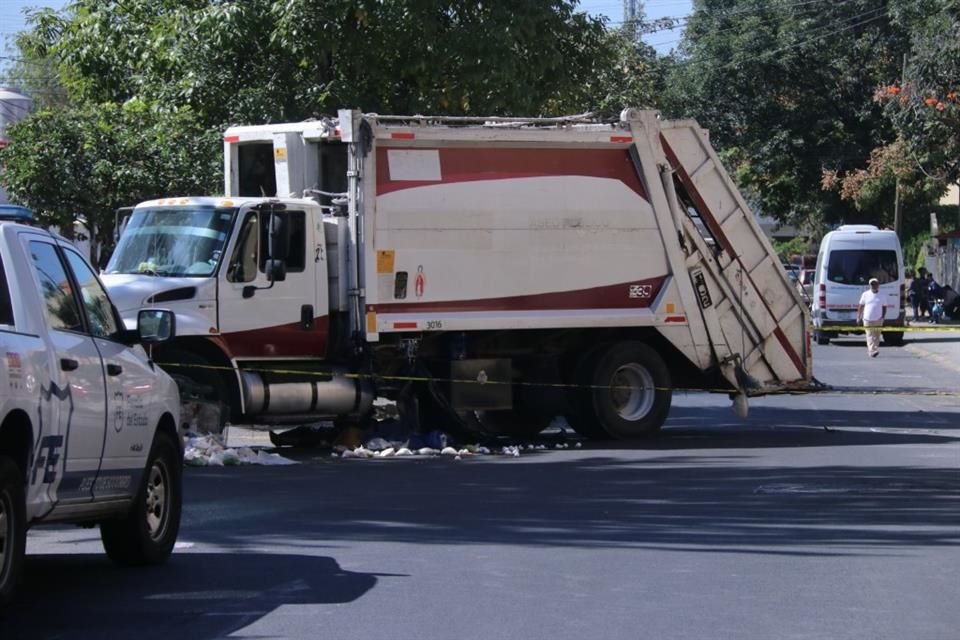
x=88 y=423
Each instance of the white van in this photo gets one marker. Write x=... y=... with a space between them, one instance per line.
x=848 y=258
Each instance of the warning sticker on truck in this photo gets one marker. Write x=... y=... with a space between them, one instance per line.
x=700 y=284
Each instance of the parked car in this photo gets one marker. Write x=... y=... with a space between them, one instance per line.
x=88 y=424
x=805 y=284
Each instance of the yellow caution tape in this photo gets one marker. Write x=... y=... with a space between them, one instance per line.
x=815 y=387
x=907 y=328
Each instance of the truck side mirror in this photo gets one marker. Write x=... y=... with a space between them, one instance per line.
x=278 y=236
x=276 y=270
x=156 y=326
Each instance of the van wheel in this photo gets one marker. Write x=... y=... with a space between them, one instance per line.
x=146 y=535
x=630 y=390
x=13 y=528
x=893 y=338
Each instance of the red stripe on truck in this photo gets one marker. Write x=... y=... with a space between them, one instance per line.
x=614 y=296
x=470 y=164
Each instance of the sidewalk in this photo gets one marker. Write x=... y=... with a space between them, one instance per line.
x=936 y=342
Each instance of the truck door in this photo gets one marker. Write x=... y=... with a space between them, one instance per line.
x=286 y=318
x=76 y=381
x=129 y=383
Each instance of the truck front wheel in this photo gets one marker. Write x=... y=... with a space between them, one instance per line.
x=630 y=390
x=146 y=535
x=13 y=528
x=203 y=394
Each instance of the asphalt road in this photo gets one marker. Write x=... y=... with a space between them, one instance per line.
x=833 y=515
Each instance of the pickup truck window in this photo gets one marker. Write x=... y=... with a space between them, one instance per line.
x=100 y=316
x=6 y=309
x=60 y=304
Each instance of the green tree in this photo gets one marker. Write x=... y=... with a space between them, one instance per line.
x=267 y=60
x=924 y=105
x=787 y=91
x=91 y=159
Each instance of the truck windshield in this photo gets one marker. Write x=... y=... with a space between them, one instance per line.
x=857 y=266
x=173 y=241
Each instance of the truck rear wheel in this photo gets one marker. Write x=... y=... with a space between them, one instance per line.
x=630 y=390
x=13 y=528
x=580 y=413
x=146 y=535
x=893 y=338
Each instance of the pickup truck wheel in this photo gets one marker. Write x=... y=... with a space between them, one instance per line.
x=631 y=390
x=13 y=528
x=203 y=393
x=148 y=532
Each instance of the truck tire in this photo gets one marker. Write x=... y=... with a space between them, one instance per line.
x=630 y=390
x=201 y=386
x=13 y=528
x=821 y=337
x=580 y=414
x=893 y=338
x=146 y=535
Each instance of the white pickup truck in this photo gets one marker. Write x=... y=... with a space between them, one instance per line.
x=88 y=424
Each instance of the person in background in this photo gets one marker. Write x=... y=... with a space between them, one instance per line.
x=918 y=294
x=871 y=311
x=934 y=294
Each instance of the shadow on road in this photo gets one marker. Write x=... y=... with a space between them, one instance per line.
x=195 y=595
x=703 y=500
x=780 y=427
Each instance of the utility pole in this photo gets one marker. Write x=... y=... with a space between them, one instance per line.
x=631 y=18
x=896 y=197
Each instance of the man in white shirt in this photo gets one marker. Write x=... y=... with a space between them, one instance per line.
x=871 y=311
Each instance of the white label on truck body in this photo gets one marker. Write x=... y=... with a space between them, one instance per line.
x=414 y=165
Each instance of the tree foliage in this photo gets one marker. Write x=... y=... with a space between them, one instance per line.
x=786 y=90
x=924 y=105
x=274 y=60
x=91 y=159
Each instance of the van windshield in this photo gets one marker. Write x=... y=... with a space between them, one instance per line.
x=857 y=266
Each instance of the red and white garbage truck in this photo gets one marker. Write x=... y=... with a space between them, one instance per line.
x=499 y=271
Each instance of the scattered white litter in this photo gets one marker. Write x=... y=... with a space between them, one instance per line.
x=403 y=451
x=378 y=444
x=448 y=451
x=208 y=451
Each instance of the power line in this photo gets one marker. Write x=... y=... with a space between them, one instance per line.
x=818 y=37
